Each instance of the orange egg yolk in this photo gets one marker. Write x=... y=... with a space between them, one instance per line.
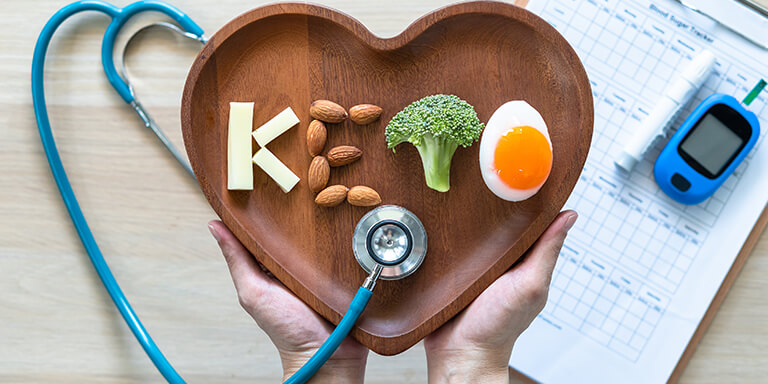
x=523 y=158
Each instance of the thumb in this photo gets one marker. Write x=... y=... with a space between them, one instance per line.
x=541 y=258
x=247 y=276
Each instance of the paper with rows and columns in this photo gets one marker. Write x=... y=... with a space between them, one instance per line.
x=638 y=271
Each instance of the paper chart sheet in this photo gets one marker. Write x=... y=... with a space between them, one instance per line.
x=638 y=271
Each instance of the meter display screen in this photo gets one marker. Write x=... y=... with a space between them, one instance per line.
x=712 y=144
x=707 y=149
x=715 y=140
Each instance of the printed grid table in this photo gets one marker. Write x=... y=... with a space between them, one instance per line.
x=630 y=250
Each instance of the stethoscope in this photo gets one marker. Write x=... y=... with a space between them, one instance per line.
x=389 y=242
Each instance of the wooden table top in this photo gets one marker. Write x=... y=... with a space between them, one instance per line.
x=57 y=323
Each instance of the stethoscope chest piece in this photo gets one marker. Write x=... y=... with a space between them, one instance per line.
x=391 y=237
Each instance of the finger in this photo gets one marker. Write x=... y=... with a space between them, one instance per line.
x=246 y=272
x=541 y=259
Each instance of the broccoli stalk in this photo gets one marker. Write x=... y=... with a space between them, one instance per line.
x=436 y=154
x=436 y=125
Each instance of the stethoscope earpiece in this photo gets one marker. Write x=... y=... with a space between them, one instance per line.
x=138 y=107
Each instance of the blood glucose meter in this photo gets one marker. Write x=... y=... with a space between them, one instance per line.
x=706 y=149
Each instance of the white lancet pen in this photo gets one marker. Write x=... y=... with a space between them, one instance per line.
x=675 y=97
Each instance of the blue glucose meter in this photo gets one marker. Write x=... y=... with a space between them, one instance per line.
x=706 y=149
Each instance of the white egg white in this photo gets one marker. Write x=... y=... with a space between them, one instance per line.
x=508 y=116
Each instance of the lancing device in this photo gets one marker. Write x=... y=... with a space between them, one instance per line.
x=675 y=97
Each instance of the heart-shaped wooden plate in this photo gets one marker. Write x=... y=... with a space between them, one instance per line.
x=291 y=54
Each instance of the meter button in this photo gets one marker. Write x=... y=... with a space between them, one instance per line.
x=680 y=182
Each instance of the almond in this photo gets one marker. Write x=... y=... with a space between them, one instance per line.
x=318 y=174
x=331 y=196
x=343 y=155
x=327 y=111
x=363 y=196
x=316 y=135
x=364 y=113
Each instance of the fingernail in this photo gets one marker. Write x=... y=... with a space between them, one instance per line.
x=213 y=232
x=570 y=221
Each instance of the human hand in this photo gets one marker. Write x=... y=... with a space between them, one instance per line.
x=475 y=346
x=295 y=329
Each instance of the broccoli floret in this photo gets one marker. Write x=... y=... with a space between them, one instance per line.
x=436 y=125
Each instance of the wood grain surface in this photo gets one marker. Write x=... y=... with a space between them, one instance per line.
x=291 y=54
x=57 y=325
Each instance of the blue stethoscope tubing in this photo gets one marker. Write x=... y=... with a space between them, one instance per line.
x=119 y=17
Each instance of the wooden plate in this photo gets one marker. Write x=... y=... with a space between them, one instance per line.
x=291 y=54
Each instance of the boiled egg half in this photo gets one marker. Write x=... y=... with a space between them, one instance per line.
x=515 y=151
